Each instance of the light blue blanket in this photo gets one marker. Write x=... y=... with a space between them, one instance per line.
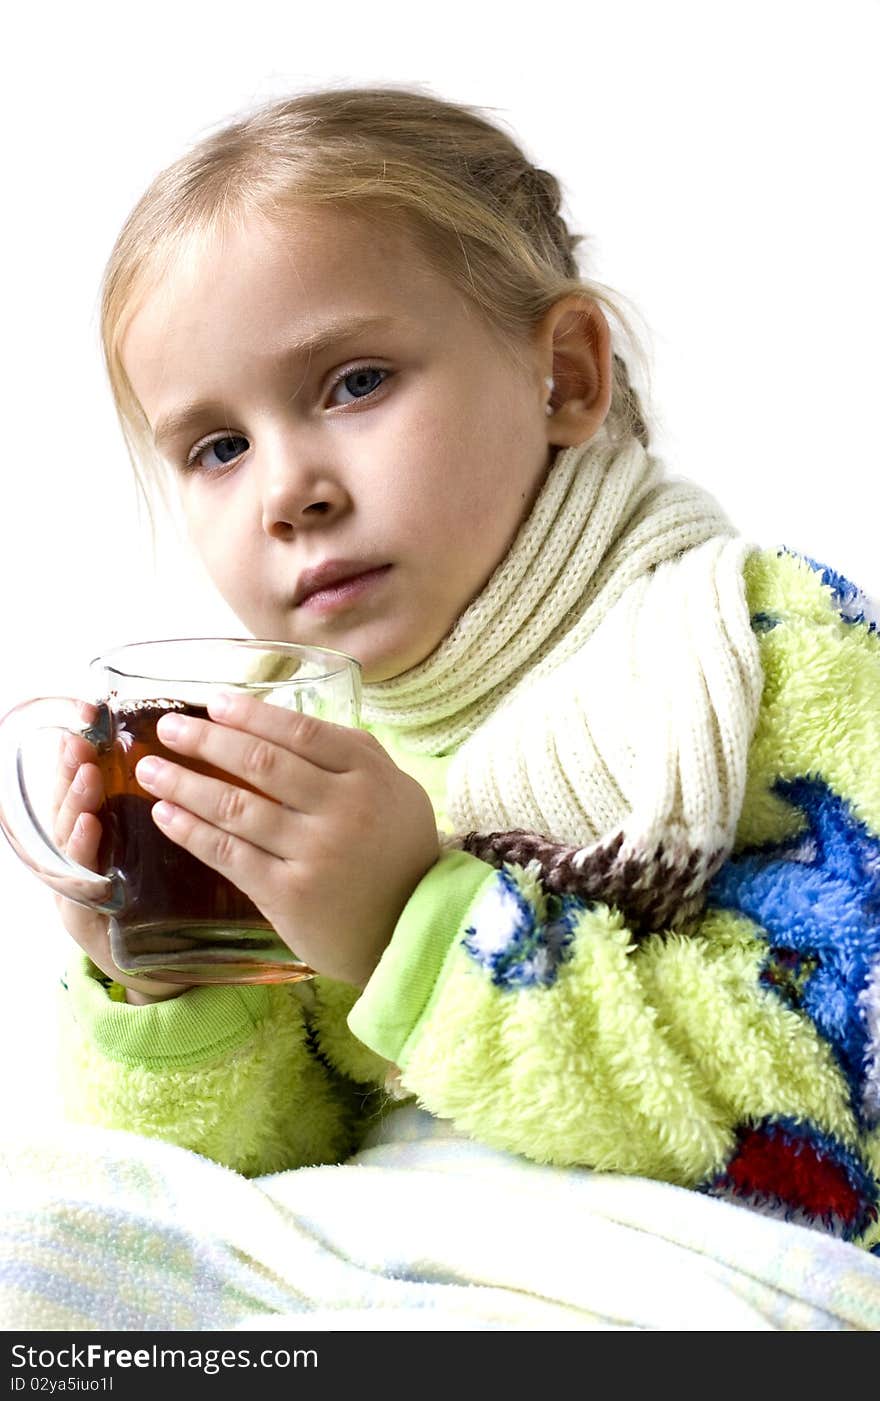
x=422 y=1230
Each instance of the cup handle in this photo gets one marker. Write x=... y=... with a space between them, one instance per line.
x=18 y=820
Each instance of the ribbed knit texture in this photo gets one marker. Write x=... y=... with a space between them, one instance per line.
x=604 y=685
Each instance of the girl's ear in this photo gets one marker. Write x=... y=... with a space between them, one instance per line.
x=577 y=341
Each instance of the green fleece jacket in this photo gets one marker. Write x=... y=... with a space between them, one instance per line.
x=741 y=1058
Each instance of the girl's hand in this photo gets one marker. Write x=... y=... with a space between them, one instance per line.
x=330 y=854
x=77 y=797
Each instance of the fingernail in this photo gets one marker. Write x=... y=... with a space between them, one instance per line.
x=220 y=705
x=147 y=770
x=170 y=727
x=163 y=812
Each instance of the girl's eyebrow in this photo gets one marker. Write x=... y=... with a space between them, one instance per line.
x=176 y=420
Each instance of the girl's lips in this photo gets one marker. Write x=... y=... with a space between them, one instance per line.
x=334 y=597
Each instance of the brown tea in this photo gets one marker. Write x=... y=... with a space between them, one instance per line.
x=175 y=906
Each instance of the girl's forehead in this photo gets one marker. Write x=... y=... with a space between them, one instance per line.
x=346 y=246
x=257 y=285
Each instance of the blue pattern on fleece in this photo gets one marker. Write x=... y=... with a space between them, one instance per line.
x=852 y=604
x=509 y=941
x=818 y=895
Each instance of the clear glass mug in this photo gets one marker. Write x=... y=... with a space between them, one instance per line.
x=171 y=916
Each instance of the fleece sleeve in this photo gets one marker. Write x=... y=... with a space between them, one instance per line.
x=259 y=1078
x=549 y=1030
x=739 y=1056
x=233 y=1073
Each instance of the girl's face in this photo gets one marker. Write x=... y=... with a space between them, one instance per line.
x=407 y=451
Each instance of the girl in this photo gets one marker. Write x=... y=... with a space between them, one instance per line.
x=597 y=881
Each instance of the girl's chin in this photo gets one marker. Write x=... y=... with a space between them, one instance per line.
x=381 y=658
x=376 y=669
x=372 y=675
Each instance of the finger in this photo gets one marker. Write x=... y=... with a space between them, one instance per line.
x=255 y=819
x=84 y=841
x=335 y=748
x=249 y=868
x=73 y=750
x=265 y=764
x=85 y=794
x=84 y=924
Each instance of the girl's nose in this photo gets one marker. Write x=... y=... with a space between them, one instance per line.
x=297 y=499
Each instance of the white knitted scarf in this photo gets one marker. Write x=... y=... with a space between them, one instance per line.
x=600 y=693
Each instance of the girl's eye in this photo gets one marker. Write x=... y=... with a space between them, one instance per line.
x=360 y=378
x=356 y=382
x=225 y=450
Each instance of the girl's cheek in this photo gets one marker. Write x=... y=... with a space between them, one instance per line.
x=212 y=538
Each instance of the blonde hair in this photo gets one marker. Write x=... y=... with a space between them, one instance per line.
x=458 y=184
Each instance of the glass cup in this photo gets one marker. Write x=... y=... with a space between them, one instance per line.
x=171 y=916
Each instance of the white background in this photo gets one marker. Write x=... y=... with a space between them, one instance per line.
x=721 y=158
